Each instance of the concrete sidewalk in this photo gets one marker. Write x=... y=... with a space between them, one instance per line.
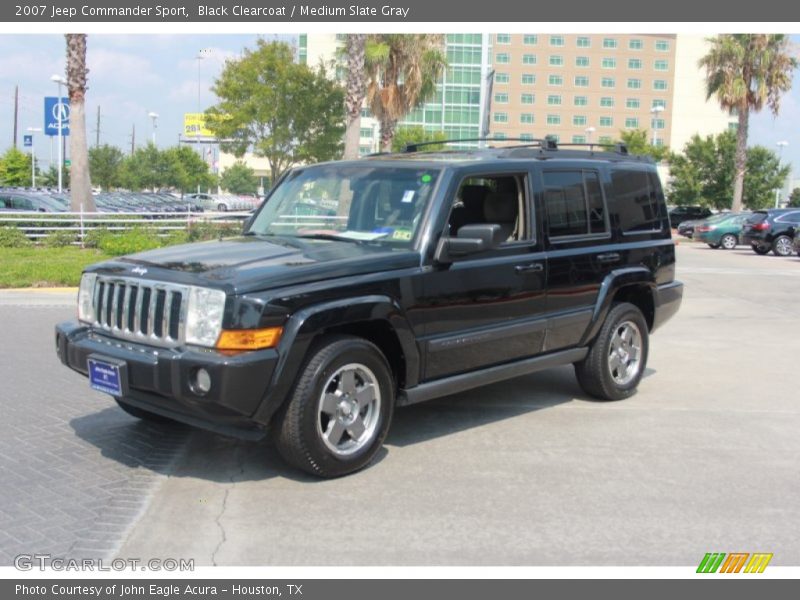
x=53 y=296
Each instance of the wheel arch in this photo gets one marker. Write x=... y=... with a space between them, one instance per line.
x=635 y=285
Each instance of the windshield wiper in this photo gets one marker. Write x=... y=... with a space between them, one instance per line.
x=329 y=236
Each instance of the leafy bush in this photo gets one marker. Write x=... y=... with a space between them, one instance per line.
x=93 y=237
x=12 y=237
x=200 y=232
x=176 y=236
x=59 y=239
x=128 y=242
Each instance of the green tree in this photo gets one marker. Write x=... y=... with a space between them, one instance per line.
x=638 y=143
x=415 y=134
x=150 y=168
x=745 y=72
x=794 y=198
x=239 y=179
x=192 y=170
x=704 y=172
x=283 y=111
x=402 y=71
x=15 y=168
x=105 y=164
x=50 y=178
x=81 y=187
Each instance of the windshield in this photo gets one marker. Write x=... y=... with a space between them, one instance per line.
x=349 y=203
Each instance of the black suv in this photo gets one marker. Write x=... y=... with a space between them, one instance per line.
x=679 y=214
x=771 y=229
x=416 y=276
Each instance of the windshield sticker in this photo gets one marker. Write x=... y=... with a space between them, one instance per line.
x=401 y=234
x=426 y=178
x=408 y=197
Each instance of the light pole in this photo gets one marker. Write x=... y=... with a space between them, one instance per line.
x=201 y=54
x=781 y=145
x=33 y=130
x=154 y=117
x=59 y=80
x=655 y=111
x=589 y=131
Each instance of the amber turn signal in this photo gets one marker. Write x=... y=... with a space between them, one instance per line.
x=249 y=339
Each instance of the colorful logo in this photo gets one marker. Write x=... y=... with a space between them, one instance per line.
x=734 y=562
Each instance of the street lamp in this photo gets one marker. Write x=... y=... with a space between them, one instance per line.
x=781 y=145
x=59 y=80
x=203 y=53
x=589 y=131
x=33 y=130
x=655 y=111
x=154 y=117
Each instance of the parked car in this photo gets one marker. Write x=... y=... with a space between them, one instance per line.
x=721 y=231
x=431 y=273
x=679 y=214
x=686 y=228
x=771 y=229
x=24 y=201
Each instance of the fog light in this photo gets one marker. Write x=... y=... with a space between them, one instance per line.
x=202 y=381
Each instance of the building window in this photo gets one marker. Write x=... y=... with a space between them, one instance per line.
x=579 y=120
x=526 y=137
x=557 y=40
x=553 y=136
x=578 y=139
x=584 y=42
x=526 y=118
x=528 y=59
x=607 y=102
x=582 y=61
x=581 y=81
x=556 y=60
x=503 y=58
x=528 y=79
x=502 y=38
x=610 y=43
x=530 y=39
x=501 y=117
x=527 y=99
x=635 y=63
x=365 y=132
x=632 y=103
x=499 y=135
x=501 y=78
x=554 y=119
x=661 y=65
x=580 y=101
x=635 y=44
x=552 y=99
x=631 y=123
x=608 y=82
x=555 y=80
x=609 y=63
x=662 y=46
x=501 y=98
x=634 y=84
x=660 y=85
x=606 y=122
x=657 y=123
x=605 y=139
x=659 y=102
x=659 y=143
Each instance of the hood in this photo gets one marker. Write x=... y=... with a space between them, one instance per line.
x=247 y=264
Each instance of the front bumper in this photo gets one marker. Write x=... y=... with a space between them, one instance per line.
x=159 y=379
x=668 y=298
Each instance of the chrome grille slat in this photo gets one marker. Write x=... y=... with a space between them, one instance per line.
x=121 y=310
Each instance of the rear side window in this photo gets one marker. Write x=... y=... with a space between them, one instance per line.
x=574 y=203
x=639 y=200
x=756 y=218
x=792 y=217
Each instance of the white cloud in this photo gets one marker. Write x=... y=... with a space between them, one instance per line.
x=119 y=69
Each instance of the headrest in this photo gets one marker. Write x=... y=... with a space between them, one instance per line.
x=500 y=207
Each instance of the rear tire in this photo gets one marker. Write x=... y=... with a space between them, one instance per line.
x=144 y=415
x=762 y=250
x=617 y=358
x=340 y=409
x=782 y=246
x=728 y=241
x=222 y=207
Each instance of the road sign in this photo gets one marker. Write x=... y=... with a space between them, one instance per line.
x=27 y=141
x=53 y=108
x=68 y=163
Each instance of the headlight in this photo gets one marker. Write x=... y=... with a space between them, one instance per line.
x=204 y=316
x=85 y=293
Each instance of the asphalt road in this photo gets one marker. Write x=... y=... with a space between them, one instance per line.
x=527 y=472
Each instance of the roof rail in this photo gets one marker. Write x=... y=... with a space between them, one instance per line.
x=618 y=147
x=546 y=143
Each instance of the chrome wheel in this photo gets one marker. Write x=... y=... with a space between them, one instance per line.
x=728 y=242
x=783 y=246
x=349 y=409
x=625 y=353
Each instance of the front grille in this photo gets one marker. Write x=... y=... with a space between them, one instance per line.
x=145 y=311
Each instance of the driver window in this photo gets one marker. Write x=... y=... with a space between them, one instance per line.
x=497 y=199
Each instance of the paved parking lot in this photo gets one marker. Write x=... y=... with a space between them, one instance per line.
x=527 y=472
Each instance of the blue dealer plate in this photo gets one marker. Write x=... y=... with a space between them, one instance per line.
x=104 y=377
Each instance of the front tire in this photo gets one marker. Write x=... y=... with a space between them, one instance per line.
x=782 y=246
x=340 y=410
x=728 y=241
x=617 y=358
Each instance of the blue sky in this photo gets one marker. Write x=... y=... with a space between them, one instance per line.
x=132 y=75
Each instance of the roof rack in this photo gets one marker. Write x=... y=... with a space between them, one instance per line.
x=618 y=147
x=544 y=143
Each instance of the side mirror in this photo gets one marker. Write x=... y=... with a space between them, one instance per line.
x=470 y=239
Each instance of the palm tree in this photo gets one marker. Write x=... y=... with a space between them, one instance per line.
x=402 y=71
x=355 y=91
x=745 y=72
x=80 y=183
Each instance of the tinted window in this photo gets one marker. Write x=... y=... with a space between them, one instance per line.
x=793 y=217
x=639 y=200
x=574 y=203
x=756 y=218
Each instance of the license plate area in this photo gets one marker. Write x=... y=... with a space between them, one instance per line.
x=107 y=375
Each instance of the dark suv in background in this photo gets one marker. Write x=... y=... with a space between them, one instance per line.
x=679 y=214
x=417 y=276
x=771 y=229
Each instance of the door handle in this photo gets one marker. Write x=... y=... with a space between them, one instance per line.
x=608 y=257
x=531 y=268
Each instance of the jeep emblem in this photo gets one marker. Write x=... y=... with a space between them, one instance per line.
x=139 y=270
